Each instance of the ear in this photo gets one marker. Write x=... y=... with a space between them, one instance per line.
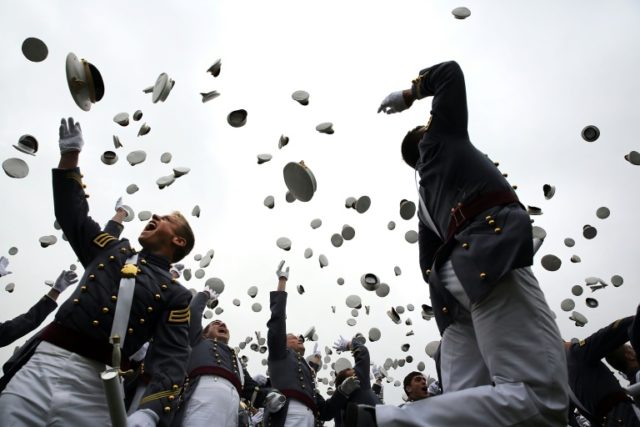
x=179 y=241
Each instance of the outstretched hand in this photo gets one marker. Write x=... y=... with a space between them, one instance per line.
x=282 y=274
x=70 y=136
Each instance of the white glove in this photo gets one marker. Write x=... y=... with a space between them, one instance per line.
x=342 y=344
x=316 y=352
x=274 y=401
x=260 y=379
x=141 y=353
x=376 y=373
x=119 y=204
x=258 y=416
x=434 y=388
x=349 y=385
x=4 y=263
x=64 y=280
x=143 y=418
x=212 y=295
x=282 y=274
x=393 y=103
x=70 y=136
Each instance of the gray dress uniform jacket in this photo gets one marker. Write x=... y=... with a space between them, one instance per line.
x=453 y=174
x=159 y=312
x=290 y=373
x=213 y=357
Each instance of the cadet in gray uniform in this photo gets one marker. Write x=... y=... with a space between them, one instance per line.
x=216 y=377
x=291 y=374
x=595 y=386
x=20 y=326
x=60 y=383
x=502 y=360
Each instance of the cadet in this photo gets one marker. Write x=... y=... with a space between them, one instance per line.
x=415 y=386
x=601 y=398
x=20 y=326
x=216 y=377
x=60 y=384
x=357 y=377
x=476 y=249
x=289 y=371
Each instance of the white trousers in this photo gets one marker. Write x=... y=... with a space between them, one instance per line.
x=214 y=403
x=299 y=415
x=55 y=388
x=502 y=364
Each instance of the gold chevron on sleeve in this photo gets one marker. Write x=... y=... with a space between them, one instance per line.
x=102 y=239
x=180 y=316
x=159 y=395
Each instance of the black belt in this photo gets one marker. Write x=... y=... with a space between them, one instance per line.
x=221 y=372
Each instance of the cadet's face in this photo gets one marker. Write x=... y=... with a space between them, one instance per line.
x=218 y=330
x=295 y=343
x=159 y=232
x=417 y=388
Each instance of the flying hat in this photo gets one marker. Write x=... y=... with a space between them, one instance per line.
x=162 y=88
x=252 y=291
x=179 y=171
x=461 y=12
x=410 y=307
x=362 y=204
x=27 y=144
x=351 y=322
x=369 y=281
x=575 y=259
x=215 y=68
x=122 y=119
x=394 y=316
x=301 y=97
x=130 y=213
x=137 y=115
x=116 y=141
x=237 y=118
x=284 y=243
x=633 y=157
x=199 y=273
x=186 y=274
x=591 y=302
x=407 y=209
x=341 y=364
x=34 y=49
x=166 y=157
x=397 y=271
x=325 y=127
x=589 y=232
x=299 y=180
x=269 y=202
x=283 y=141
x=548 y=190
x=616 y=280
x=256 y=307
x=431 y=348
x=551 y=262
x=579 y=319
x=603 y=212
x=569 y=242
x=382 y=290
x=215 y=284
x=567 y=304
x=10 y=287
x=144 y=215
x=391 y=225
x=411 y=236
x=308 y=253
x=336 y=240
x=315 y=223
x=353 y=301
x=577 y=290
x=47 y=240
x=136 y=157
x=340 y=281
x=399 y=309
x=208 y=96
x=144 y=129
x=85 y=82
x=219 y=310
x=420 y=366
x=300 y=289
x=196 y=211
x=534 y=210
x=109 y=157
x=405 y=347
x=322 y=259
x=350 y=203
x=13 y=250
x=590 y=133
x=165 y=181
x=264 y=158
x=15 y=168
x=348 y=232
x=355 y=312
x=290 y=198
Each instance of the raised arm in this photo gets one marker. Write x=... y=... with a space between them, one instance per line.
x=197 y=306
x=607 y=339
x=362 y=362
x=277 y=324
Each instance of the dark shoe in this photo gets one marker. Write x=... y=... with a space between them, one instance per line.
x=360 y=416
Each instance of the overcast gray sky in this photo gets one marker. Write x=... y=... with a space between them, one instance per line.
x=536 y=72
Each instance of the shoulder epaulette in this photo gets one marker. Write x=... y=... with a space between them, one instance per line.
x=103 y=239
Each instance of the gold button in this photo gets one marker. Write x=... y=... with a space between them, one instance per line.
x=505 y=175
x=105 y=310
x=167 y=409
x=143 y=261
x=157 y=296
x=141 y=321
x=95 y=323
x=83 y=288
x=483 y=275
x=164 y=287
x=92 y=277
x=114 y=298
x=112 y=258
x=428 y=271
x=100 y=266
x=515 y=187
x=496 y=164
x=130 y=331
x=76 y=301
x=123 y=250
x=149 y=309
x=498 y=230
x=84 y=186
x=175 y=387
x=488 y=218
x=445 y=310
x=465 y=245
x=171 y=397
x=174 y=281
x=303 y=386
x=492 y=222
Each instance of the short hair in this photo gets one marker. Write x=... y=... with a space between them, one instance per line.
x=184 y=230
x=409 y=147
x=410 y=376
x=341 y=376
x=617 y=358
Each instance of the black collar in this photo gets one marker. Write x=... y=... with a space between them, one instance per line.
x=157 y=260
